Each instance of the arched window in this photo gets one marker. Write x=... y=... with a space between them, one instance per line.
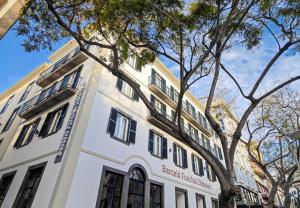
x=136 y=189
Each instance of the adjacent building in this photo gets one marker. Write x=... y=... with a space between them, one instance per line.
x=243 y=173
x=9 y=13
x=73 y=135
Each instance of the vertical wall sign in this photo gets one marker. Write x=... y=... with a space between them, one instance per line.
x=64 y=141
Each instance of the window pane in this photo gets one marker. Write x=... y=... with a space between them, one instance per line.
x=111 y=191
x=155 y=196
x=136 y=189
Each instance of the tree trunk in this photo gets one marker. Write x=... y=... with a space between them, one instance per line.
x=226 y=199
x=287 y=201
x=272 y=196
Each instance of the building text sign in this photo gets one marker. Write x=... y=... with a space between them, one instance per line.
x=63 y=143
x=183 y=176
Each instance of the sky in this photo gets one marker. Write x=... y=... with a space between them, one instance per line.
x=15 y=62
x=244 y=65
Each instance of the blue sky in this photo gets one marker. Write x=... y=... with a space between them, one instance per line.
x=15 y=62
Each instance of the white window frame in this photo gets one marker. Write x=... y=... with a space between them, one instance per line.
x=121 y=129
x=157 y=145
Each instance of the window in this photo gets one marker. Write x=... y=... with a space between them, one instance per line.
x=54 y=121
x=158 y=80
x=136 y=189
x=29 y=186
x=6 y=104
x=5 y=184
x=197 y=165
x=179 y=156
x=27 y=133
x=11 y=119
x=214 y=203
x=26 y=92
x=158 y=145
x=194 y=133
x=159 y=106
x=200 y=201
x=135 y=62
x=111 y=191
x=211 y=175
x=191 y=109
x=181 y=198
x=121 y=127
x=155 y=196
x=126 y=89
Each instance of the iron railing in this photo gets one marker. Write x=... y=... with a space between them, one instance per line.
x=60 y=63
x=173 y=95
x=69 y=81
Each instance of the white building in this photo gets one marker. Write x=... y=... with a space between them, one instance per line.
x=73 y=135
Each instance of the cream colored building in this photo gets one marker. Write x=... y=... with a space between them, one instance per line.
x=9 y=13
x=73 y=135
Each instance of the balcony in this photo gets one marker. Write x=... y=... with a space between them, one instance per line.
x=51 y=96
x=160 y=125
x=64 y=65
x=170 y=96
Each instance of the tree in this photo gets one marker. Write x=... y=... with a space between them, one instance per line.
x=192 y=35
x=270 y=145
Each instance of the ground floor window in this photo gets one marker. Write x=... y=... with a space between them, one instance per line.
x=155 y=196
x=111 y=191
x=136 y=189
x=132 y=189
x=29 y=186
x=181 y=198
x=5 y=184
x=214 y=203
x=200 y=201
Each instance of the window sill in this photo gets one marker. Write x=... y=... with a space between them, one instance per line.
x=50 y=134
x=134 y=100
x=120 y=140
x=198 y=174
x=180 y=166
x=158 y=157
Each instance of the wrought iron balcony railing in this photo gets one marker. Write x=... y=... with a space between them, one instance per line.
x=170 y=96
x=61 y=67
x=50 y=96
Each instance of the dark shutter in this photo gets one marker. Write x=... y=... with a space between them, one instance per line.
x=138 y=63
x=112 y=121
x=21 y=135
x=132 y=131
x=193 y=163
x=163 y=109
x=207 y=171
x=163 y=84
x=213 y=175
x=184 y=155
x=135 y=95
x=153 y=76
x=34 y=128
x=47 y=122
x=201 y=171
x=77 y=77
x=119 y=84
x=164 y=148
x=152 y=99
x=220 y=153
x=62 y=116
x=150 y=144
x=174 y=153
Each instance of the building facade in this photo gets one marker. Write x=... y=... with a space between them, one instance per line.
x=73 y=135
